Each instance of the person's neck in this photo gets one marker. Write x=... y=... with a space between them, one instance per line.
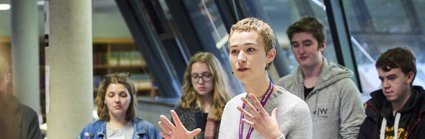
x=312 y=73
x=397 y=105
x=257 y=87
x=117 y=122
x=207 y=103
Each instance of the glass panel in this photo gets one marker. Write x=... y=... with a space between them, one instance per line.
x=211 y=30
x=388 y=16
x=207 y=10
x=419 y=7
x=385 y=25
x=282 y=13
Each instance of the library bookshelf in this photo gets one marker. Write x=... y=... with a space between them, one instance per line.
x=111 y=55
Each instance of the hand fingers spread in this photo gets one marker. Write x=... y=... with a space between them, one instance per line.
x=274 y=113
x=166 y=122
x=176 y=118
x=165 y=136
x=164 y=127
x=251 y=108
x=257 y=103
x=250 y=123
x=244 y=112
x=195 y=132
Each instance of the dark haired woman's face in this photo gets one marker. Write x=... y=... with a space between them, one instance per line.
x=117 y=99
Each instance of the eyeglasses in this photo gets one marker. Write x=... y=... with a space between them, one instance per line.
x=205 y=77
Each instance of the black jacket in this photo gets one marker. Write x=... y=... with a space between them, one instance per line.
x=412 y=115
x=191 y=117
x=17 y=121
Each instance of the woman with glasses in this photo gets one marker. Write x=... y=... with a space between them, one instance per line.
x=205 y=92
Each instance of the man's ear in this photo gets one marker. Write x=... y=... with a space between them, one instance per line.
x=271 y=55
x=322 y=46
x=410 y=77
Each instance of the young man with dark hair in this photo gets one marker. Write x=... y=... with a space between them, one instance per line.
x=333 y=98
x=395 y=111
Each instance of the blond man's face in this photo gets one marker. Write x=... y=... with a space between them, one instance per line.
x=247 y=55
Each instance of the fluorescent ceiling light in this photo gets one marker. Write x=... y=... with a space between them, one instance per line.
x=41 y=2
x=4 y=7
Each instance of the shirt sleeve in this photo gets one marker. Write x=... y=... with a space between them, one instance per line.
x=302 y=124
x=352 y=111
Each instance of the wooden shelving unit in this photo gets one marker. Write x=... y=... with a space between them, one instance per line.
x=112 y=55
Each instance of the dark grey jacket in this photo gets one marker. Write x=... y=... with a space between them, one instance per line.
x=188 y=118
x=17 y=120
x=29 y=126
x=334 y=103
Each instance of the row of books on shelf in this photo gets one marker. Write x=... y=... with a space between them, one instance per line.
x=141 y=81
x=118 y=58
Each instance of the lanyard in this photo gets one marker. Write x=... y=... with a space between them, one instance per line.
x=263 y=102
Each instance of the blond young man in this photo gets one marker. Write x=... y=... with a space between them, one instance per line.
x=265 y=110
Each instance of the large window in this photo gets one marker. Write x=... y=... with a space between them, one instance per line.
x=379 y=25
x=282 y=13
x=375 y=26
x=206 y=18
x=212 y=33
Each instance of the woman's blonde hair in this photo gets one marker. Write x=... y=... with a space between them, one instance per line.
x=115 y=78
x=220 y=91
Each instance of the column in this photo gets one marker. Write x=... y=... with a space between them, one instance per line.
x=25 y=53
x=71 y=68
